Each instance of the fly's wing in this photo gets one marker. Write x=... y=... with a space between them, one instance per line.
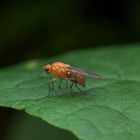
x=85 y=73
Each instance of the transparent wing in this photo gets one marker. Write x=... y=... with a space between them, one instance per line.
x=85 y=73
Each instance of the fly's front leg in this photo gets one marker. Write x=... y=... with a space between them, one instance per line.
x=51 y=84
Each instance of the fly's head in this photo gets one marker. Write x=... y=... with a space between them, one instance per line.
x=47 y=68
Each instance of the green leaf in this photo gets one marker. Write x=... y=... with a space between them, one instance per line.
x=107 y=109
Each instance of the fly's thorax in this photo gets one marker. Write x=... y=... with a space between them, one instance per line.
x=60 y=69
x=60 y=64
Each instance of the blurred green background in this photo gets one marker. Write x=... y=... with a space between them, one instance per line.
x=33 y=30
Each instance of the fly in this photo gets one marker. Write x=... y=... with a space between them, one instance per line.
x=69 y=73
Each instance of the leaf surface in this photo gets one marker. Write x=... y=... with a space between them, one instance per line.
x=107 y=109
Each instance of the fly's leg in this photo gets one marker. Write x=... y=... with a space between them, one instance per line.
x=66 y=84
x=60 y=83
x=72 y=85
x=51 y=85
x=78 y=87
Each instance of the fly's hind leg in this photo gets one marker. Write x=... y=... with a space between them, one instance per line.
x=72 y=85
x=76 y=85
x=51 y=84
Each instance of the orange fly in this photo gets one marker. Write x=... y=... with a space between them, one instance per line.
x=68 y=72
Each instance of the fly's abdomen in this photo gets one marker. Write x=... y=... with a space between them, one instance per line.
x=81 y=80
x=77 y=78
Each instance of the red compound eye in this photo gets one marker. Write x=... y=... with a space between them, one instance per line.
x=47 y=68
